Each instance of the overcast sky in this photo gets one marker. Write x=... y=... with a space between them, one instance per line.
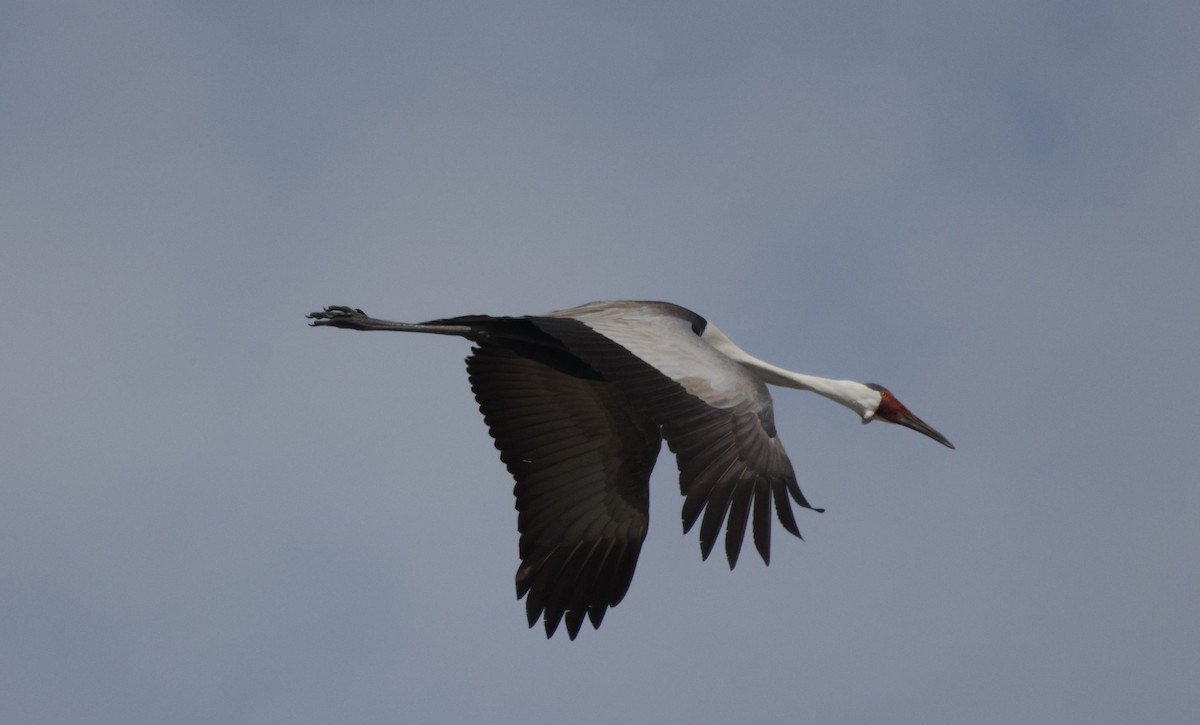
x=212 y=513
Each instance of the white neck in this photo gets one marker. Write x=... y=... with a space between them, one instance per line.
x=858 y=397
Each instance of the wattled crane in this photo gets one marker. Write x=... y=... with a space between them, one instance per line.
x=578 y=402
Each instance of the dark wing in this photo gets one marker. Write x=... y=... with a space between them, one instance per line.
x=730 y=460
x=581 y=457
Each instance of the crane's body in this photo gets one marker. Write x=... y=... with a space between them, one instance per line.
x=578 y=402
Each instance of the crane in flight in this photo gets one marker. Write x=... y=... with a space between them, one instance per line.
x=578 y=402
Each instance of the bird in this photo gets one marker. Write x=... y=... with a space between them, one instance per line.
x=578 y=402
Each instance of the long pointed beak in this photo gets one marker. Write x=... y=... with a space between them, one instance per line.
x=908 y=420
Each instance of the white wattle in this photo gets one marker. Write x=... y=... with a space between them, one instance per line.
x=862 y=399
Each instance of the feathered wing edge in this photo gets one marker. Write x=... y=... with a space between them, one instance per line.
x=731 y=465
x=581 y=456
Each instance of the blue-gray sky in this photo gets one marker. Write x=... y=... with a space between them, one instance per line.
x=213 y=513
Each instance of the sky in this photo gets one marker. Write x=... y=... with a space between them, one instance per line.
x=211 y=512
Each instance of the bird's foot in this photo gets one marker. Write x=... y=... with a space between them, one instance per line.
x=349 y=318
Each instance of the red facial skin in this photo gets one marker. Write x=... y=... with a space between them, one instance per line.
x=893 y=411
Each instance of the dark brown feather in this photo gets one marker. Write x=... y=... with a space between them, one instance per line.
x=581 y=456
x=727 y=457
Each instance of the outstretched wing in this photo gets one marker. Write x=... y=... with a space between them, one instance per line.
x=716 y=417
x=581 y=457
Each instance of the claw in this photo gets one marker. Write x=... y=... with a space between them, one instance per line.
x=335 y=316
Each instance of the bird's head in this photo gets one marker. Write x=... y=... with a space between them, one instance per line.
x=893 y=411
